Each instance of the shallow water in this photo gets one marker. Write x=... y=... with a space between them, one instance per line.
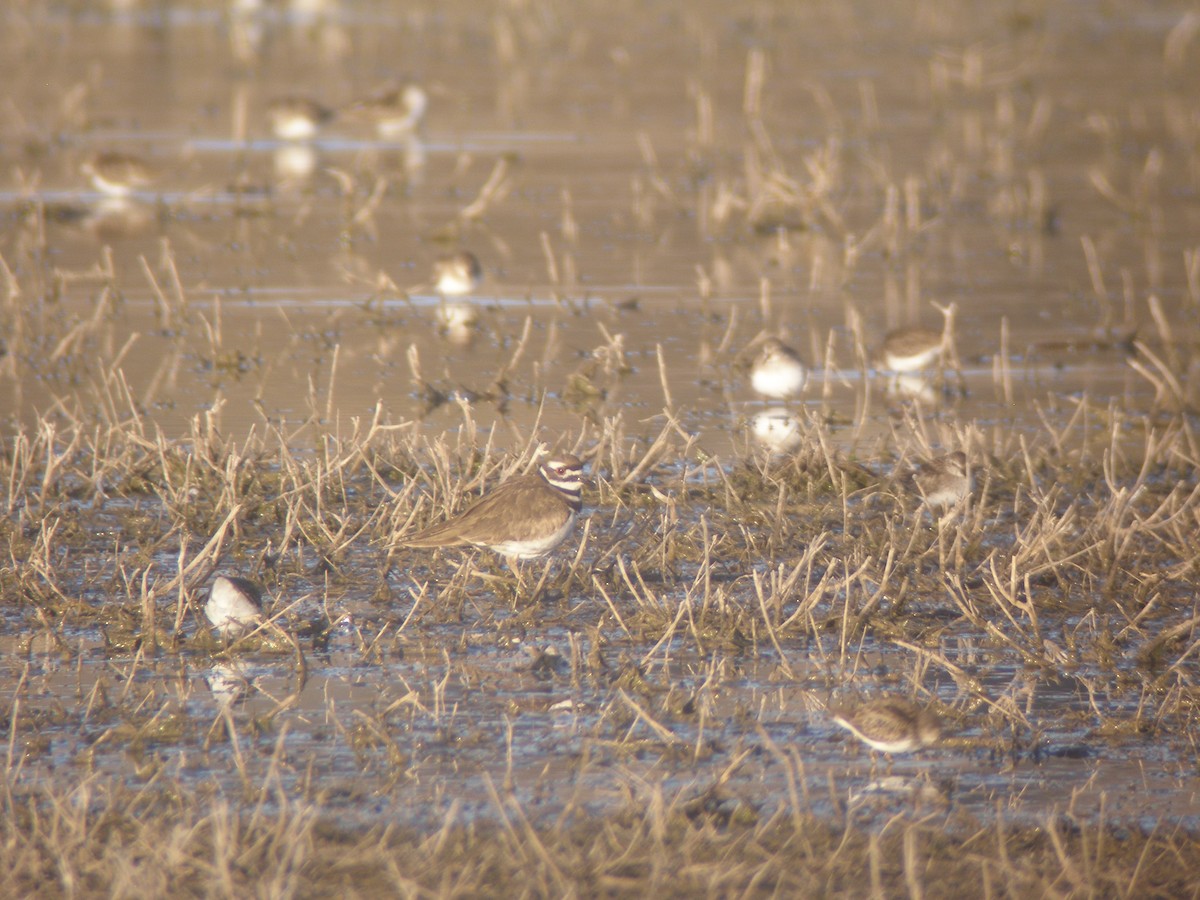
x=1036 y=168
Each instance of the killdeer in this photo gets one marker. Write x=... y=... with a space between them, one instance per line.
x=297 y=118
x=234 y=605
x=457 y=274
x=117 y=174
x=911 y=349
x=524 y=518
x=892 y=725
x=943 y=481
x=777 y=371
x=396 y=112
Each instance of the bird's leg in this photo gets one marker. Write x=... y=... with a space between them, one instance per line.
x=513 y=579
x=537 y=591
x=514 y=567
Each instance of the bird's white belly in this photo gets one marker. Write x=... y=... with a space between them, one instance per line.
x=779 y=379
x=911 y=361
x=534 y=548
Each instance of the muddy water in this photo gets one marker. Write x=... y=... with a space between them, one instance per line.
x=619 y=144
x=1035 y=167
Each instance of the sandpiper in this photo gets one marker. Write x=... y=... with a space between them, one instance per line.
x=777 y=371
x=524 y=518
x=457 y=274
x=234 y=605
x=912 y=349
x=943 y=482
x=396 y=112
x=892 y=725
x=117 y=174
x=297 y=118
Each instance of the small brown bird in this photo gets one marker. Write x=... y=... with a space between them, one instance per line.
x=524 y=518
x=942 y=482
x=234 y=605
x=892 y=725
x=777 y=371
x=297 y=118
x=396 y=112
x=911 y=349
x=457 y=274
x=117 y=174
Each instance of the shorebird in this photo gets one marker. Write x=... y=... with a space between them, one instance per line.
x=234 y=605
x=892 y=725
x=912 y=349
x=117 y=174
x=396 y=112
x=777 y=371
x=297 y=118
x=942 y=482
x=457 y=274
x=524 y=518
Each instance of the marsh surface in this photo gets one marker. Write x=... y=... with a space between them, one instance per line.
x=650 y=190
